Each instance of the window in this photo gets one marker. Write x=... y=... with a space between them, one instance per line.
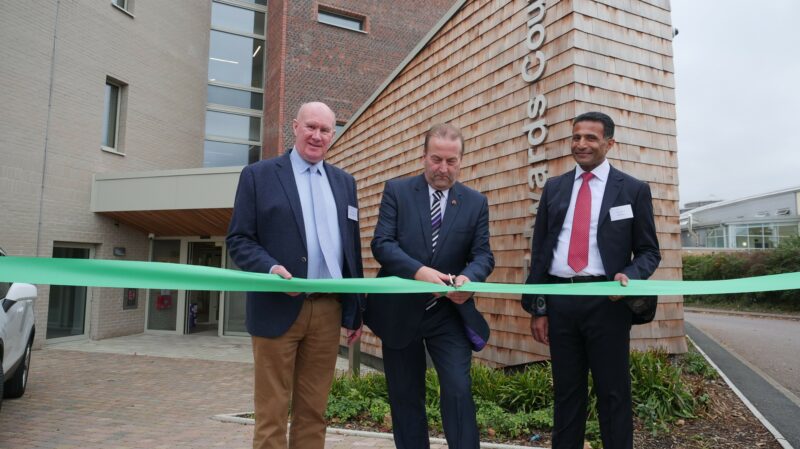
x=112 y=115
x=340 y=127
x=125 y=6
x=341 y=20
x=236 y=61
x=235 y=97
x=233 y=126
x=235 y=19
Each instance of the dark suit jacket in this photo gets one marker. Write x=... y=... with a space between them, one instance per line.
x=627 y=246
x=267 y=229
x=402 y=244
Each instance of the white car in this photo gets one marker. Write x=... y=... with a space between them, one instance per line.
x=16 y=336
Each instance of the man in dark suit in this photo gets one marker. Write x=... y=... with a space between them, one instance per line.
x=297 y=215
x=594 y=223
x=434 y=229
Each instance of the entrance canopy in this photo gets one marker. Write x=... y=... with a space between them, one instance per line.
x=197 y=201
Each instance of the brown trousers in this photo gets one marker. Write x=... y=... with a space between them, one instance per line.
x=299 y=365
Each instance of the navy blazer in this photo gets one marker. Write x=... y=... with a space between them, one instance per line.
x=628 y=246
x=402 y=245
x=267 y=229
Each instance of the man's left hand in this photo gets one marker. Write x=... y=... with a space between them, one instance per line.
x=353 y=335
x=623 y=281
x=457 y=296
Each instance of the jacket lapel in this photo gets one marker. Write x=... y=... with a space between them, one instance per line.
x=613 y=187
x=564 y=195
x=450 y=214
x=423 y=202
x=287 y=181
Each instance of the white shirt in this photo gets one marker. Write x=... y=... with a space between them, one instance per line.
x=597 y=185
x=442 y=202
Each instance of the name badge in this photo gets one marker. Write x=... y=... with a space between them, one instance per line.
x=352 y=213
x=620 y=212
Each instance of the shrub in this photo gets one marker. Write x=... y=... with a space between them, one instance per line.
x=783 y=259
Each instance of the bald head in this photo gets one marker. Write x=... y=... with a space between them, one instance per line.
x=313 y=128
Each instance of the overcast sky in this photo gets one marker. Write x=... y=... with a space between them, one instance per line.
x=737 y=81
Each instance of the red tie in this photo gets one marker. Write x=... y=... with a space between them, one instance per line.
x=578 y=257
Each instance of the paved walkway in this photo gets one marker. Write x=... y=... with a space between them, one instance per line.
x=98 y=395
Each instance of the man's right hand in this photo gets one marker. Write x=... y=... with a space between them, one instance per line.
x=539 y=329
x=428 y=274
x=281 y=271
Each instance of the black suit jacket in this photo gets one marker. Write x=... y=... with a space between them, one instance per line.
x=402 y=245
x=628 y=246
x=267 y=229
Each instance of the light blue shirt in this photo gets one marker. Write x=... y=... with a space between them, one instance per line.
x=317 y=268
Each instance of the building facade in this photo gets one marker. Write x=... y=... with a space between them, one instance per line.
x=125 y=123
x=754 y=222
x=512 y=75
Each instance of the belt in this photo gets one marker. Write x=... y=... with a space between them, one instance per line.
x=316 y=296
x=576 y=279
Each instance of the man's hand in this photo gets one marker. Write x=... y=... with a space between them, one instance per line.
x=539 y=328
x=459 y=297
x=353 y=335
x=281 y=271
x=623 y=281
x=428 y=274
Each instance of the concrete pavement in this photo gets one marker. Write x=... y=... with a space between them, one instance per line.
x=99 y=395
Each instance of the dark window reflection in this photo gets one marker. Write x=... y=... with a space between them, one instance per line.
x=237 y=19
x=223 y=154
x=235 y=97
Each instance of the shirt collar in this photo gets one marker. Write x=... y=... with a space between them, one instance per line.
x=300 y=165
x=600 y=172
x=431 y=190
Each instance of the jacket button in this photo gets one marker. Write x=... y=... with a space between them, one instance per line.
x=303 y=259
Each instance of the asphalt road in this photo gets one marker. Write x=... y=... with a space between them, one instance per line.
x=771 y=345
x=747 y=350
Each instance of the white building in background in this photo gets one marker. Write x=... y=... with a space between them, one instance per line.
x=754 y=222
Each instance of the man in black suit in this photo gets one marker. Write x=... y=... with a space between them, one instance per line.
x=594 y=223
x=297 y=215
x=434 y=229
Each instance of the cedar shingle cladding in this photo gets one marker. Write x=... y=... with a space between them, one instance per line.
x=612 y=56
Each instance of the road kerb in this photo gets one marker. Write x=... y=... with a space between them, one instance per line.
x=235 y=418
x=778 y=436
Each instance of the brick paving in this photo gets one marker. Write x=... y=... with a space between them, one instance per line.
x=93 y=400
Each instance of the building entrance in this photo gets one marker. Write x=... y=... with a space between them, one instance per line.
x=202 y=306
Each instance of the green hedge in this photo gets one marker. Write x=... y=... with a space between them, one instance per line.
x=518 y=404
x=783 y=259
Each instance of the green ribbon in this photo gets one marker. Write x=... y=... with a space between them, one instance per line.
x=170 y=276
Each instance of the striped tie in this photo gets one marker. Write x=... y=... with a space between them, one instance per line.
x=436 y=224
x=436 y=218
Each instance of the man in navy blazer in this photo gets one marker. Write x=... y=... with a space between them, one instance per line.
x=297 y=215
x=434 y=229
x=594 y=223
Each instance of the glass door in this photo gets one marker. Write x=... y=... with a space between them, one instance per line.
x=67 y=306
x=163 y=305
x=203 y=306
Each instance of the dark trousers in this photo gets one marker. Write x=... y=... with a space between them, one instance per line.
x=590 y=333
x=443 y=334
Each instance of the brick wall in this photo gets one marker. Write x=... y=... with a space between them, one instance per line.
x=339 y=66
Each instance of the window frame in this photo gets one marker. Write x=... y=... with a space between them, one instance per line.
x=117 y=148
x=126 y=7
x=336 y=12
